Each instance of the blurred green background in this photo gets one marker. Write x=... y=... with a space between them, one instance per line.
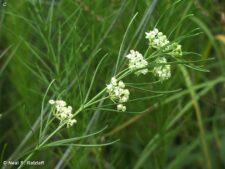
x=65 y=40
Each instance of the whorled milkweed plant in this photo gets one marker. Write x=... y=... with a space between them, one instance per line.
x=154 y=62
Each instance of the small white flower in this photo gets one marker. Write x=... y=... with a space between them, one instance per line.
x=62 y=116
x=156 y=39
x=152 y=34
x=121 y=84
x=60 y=103
x=121 y=107
x=71 y=122
x=162 y=71
x=51 y=102
x=137 y=61
x=70 y=108
x=63 y=113
x=117 y=92
x=124 y=108
x=109 y=87
x=126 y=92
x=124 y=99
x=113 y=81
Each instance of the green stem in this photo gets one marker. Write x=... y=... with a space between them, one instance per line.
x=99 y=94
x=198 y=116
x=94 y=102
x=24 y=162
x=55 y=131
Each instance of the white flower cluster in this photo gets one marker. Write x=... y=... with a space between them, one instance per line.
x=137 y=61
x=162 y=71
x=158 y=40
x=116 y=89
x=118 y=93
x=63 y=112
